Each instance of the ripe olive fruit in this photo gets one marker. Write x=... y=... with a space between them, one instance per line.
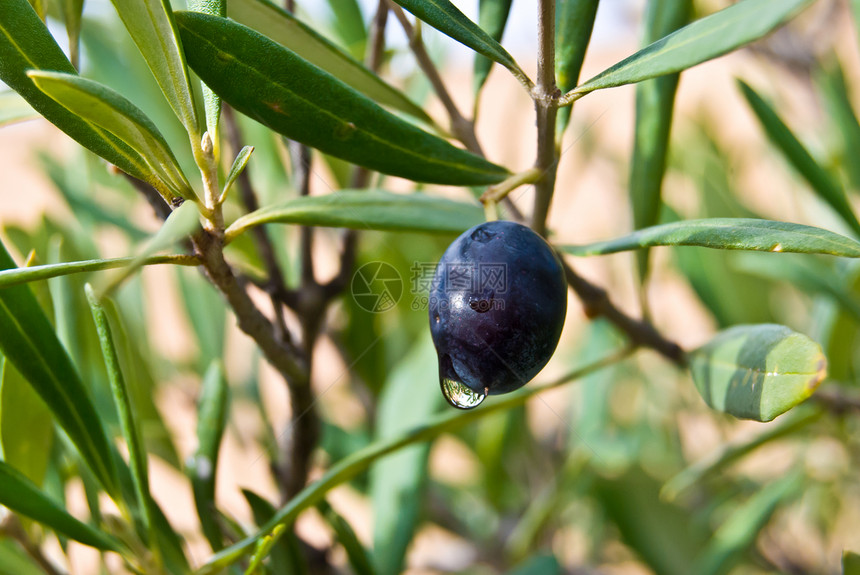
x=497 y=307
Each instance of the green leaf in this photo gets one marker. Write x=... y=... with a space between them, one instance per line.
x=828 y=188
x=757 y=371
x=349 y=26
x=72 y=12
x=655 y=104
x=127 y=421
x=20 y=494
x=282 y=27
x=739 y=532
x=106 y=109
x=730 y=453
x=445 y=17
x=368 y=210
x=287 y=556
x=15 y=561
x=17 y=276
x=574 y=25
x=151 y=25
x=26 y=427
x=837 y=100
x=211 y=420
x=14 y=108
x=661 y=533
x=728 y=234
x=703 y=40
x=26 y=44
x=539 y=565
x=211 y=101
x=296 y=99
x=850 y=560
x=492 y=17
x=356 y=554
x=237 y=168
x=347 y=468
x=27 y=340
x=396 y=483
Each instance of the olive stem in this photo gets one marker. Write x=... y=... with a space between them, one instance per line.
x=501 y=190
x=545 y=96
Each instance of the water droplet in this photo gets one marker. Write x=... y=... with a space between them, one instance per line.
x=460 y=395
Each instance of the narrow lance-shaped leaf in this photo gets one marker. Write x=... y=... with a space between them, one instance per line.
x=211 y=420
x=26 y=44
x=396 y=483
x=492 y=17
x=72 y=12
x=728 y=454
x=850 y=562
x=26 y=426
x=237 y=168
x=828 y=188
x=349 y=25
x=19 y=494
x=367 y=210
x=103 y=107
x=574 y=25
x=698 y=42
x=655 y=104
x=728 y=234
x=151 y=25
x=356 y=554
x=211 y=101
x=282 y=27
x=837 y=97
x=445 y=17
x=739 y=532
x=27 y=339
x=296 y=99
x=757 y=371
x=130 y=430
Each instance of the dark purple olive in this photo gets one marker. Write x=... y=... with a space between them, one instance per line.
x=497 y=308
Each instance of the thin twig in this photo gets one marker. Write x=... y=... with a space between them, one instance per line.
x=545 y=95
x=276 y=283
x=596 y=302
x=463 y=129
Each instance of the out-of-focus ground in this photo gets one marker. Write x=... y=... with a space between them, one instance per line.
x=590 y=204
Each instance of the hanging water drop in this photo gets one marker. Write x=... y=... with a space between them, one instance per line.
x=460 y=395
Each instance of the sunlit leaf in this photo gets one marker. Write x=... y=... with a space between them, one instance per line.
x=703 y=40
x=728 y=234
x=757 y=371
x=151 y=25
x=574 y=25
x=368 y=210
x=106 y=109
x=26 y=44
x=26 y=427
x=300 y=101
